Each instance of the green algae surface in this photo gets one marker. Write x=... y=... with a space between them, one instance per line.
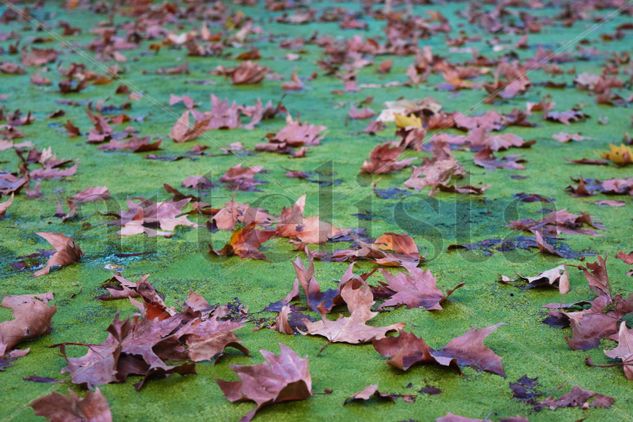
x=181 y=264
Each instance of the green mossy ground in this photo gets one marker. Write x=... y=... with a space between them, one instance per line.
x=181 y=264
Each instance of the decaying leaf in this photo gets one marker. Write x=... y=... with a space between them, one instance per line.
x=67 y=252
x=407 y=349
x=235 y=213
x=371 y=392
x=283 y=377
x=245 y=242
x=154 y=218
x=32 y=317
x=624 y=350
x=157 y=343
x=389 y=249
x=600 y=320
x=293 y=138
x=415 y=288
x=619 y=155
x=384 y=159
x=352 y=329
x=578 y=397
x=306 y=230
x=439 y=173
x=57 y=407
x=182 y=131
x=241 y=178
x=556 y=277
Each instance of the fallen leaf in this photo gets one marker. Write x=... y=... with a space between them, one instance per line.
x=619 y=155
x=154 y=218
x=67 y=252
x=383 y=159
x=284 y=377
x=578 y=397
x=371 y=392
x=415 y=288
x=307 y=230
x=241 y=178
x=352 y=329
x=624 y=350
x=245 y=243
x=182 y=131
x=31 y=319
x=556 y=277
x=406 y=350
x=71 y=408
x=624 y=257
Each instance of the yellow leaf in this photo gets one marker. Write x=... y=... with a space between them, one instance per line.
x=619 y=155
x=403 y=121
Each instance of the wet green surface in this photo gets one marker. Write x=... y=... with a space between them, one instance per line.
x=180 y=264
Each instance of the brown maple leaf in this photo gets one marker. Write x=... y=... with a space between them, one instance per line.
x=182 y=131
x=133 y=144
x=248 y=73
x=145 y=345
x=485 y=158
x=577 y=397
x=118 y=287
x=384 y=159
x=10 y=183
x=38 y=56
x=293 y=138
x=360 y=114
x=154 y=218
x=57 y=407
x=566 y=117
x=66 y=252
x=207 y=339
x=31 y=318
x=557 y=222
x=415 y=288
x=241 y=178
x=97 y=193
x=306 y=230
x=371 y=392
x=389 y=249
x=9 y=68
x=317 y=300
x=624 y=350
x=197 y=182
x=440 y=172
x=352 y=329
x=601 y=320
x=627 y=258
x=469 y=349
x=245 y=243
x=236 y=213
x=557 y=277
x=283 y=377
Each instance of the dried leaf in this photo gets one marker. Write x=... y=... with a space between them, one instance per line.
x=67 y=252
x=71 y=408
x=406 y=350
x=31 y=318
x=281 y=378
x=414 y=288
x=352 y=329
